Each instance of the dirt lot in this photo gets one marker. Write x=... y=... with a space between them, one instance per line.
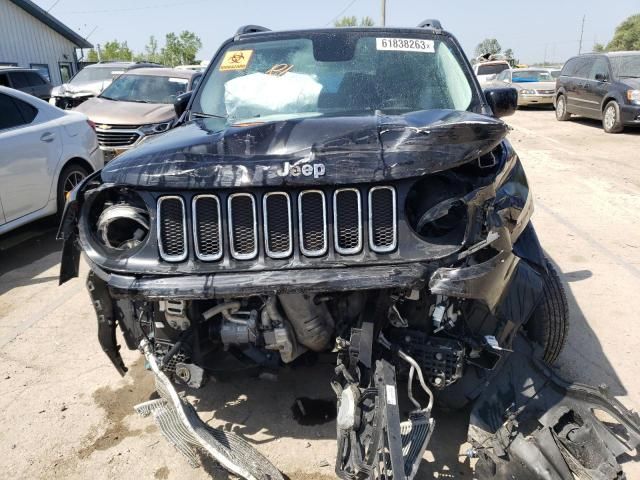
x=66 y=413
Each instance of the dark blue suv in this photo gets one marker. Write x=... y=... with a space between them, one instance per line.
x=602 y=86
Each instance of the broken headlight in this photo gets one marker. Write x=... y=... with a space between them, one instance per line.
x=120 y=219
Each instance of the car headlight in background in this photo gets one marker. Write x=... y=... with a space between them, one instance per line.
x=154 y=128
x=633 y=96
x=527 y=92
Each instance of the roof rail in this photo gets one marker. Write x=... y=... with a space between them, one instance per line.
x=431 y=23
x=251 y=29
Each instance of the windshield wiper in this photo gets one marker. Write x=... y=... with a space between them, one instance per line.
x=208 y=115
x=138 y=101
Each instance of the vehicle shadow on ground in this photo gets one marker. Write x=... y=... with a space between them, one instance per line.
x=27 y=252
x=582 y=359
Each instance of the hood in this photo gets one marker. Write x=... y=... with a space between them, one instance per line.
x=551 y=85
x=100 y=110
x=633 y=83
x=207 y=153
x=81 y=88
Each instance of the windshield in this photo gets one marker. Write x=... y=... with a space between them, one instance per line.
x=492 y=69
x=524 y=76
x=95 y=74
x=145 y=89
x=625 y=66
x=333 y=74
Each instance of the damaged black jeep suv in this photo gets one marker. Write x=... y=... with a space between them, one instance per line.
x=348 y=191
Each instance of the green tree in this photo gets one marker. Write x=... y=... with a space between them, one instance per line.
x=353 y=22
x=509 y=55
x=627 y=35
x=151 y=51
x=115 y=50
x=180 y=49
x=488 y=46
x=599 y=47
x=92 y=55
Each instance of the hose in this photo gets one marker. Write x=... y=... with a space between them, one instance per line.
x=224 y=308
x=414 y=367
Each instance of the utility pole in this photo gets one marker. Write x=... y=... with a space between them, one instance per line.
x=99 y=52
x=581 y=34
x=384 y=13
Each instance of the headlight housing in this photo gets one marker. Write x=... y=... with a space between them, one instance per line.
x=633 y=96
x=119 y=220
x=527 y=92
x=154 y=128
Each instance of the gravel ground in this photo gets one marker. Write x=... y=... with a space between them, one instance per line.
x=66 y=413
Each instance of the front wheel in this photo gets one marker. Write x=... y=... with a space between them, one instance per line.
x=70 y=177
x=611 y=118
x=561 y=109
x=549 y=324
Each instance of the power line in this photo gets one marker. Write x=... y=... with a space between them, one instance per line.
x=341 y=12
x=54 y=4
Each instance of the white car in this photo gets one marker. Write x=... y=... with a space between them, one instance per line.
x=44 y=153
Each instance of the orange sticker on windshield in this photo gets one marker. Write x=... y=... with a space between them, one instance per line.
x=235 y=60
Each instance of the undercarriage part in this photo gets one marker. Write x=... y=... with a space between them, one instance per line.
x=182 y=426
x=372 y=441
x=175 y=313
x=311 y=322
x=441 y=359
x=529 y=423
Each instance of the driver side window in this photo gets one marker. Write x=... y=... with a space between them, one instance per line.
x=600 y=67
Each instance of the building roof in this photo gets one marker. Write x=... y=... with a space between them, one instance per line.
x=52 y=22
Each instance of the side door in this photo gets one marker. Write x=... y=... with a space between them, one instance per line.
x=583 y=105
x=40 y=87
x=30 y=147
x=597 y=86
x=20 y=81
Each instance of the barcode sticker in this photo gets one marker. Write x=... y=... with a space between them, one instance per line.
x=391 y=395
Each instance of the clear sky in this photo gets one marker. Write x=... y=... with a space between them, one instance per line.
x=535 y=30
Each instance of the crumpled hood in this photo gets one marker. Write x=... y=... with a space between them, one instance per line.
x=100 y=110
x=207 y=153
x=90 y=88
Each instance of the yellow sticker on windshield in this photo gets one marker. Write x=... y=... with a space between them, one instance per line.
x=235 y=60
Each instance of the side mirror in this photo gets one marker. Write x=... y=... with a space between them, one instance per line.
x=181 y=103
x=503 y=101
x=601 y=77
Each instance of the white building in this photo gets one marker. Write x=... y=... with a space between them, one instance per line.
x=32 y=38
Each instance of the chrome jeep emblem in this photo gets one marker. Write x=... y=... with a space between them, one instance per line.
x=306 y=170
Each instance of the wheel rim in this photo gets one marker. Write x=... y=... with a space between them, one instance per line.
x=560 y=107
x=72 y=180
x=610 y=117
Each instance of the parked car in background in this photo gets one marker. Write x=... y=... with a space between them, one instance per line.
x=137 y=104
x=603 y=86
x=553 y=71
x=535 y=86
x=90 y=81
x=44 y=153
x=26 y=80
x=488 y=71
x=201 y=67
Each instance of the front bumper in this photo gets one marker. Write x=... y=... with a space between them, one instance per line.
x=630 y=114
x=535 y=99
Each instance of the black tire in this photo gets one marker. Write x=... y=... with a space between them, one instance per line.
x=561 y=109
x=611 y=121
x=549 y=324
x=70 y=176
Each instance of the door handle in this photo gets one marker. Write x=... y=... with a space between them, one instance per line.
x=47 y=137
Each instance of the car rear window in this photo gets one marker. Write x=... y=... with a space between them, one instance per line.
x=34 y=79
x=492 y=69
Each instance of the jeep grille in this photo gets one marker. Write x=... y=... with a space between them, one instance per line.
x=236 y=220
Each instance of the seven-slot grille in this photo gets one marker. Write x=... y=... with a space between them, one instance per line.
x=277 y=223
